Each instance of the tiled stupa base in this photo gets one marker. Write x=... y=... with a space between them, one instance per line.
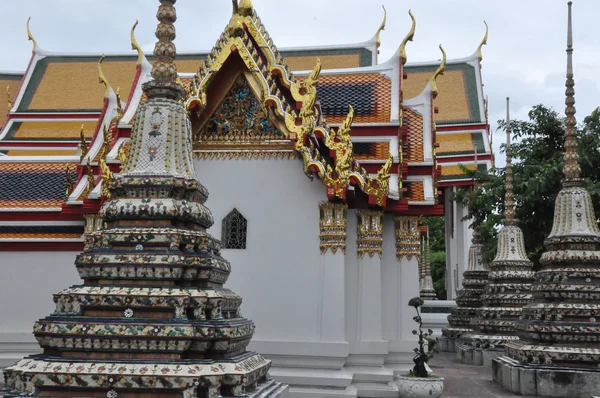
x=545 y=381
x=46 y=376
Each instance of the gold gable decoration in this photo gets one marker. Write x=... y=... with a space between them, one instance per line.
x=292 y=105
x=408 y=239
x=241 y=127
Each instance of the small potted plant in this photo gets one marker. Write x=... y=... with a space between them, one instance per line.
x=419 y=382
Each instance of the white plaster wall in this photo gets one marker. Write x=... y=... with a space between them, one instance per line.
x=278 y=274
x=351 y=276
x=28 y=281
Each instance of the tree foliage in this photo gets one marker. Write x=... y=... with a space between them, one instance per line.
x=437 y=258
x=537 y=150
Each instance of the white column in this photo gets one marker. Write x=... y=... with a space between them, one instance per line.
x=452 y=248
x=365 y=329
x=331 y=327
x=458 y=241
x=400 y=280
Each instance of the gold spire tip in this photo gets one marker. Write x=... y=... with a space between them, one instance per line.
x=439 y=71
x=102 y=78
x=483 y=42
x=381 y=27
x=135 y=45
x=408 y=37
x=30 y=36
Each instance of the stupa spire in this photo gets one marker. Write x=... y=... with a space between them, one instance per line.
x=161 y=140
x=509 y=200
x=557 y=330
x=571 y=168
x=164 y=70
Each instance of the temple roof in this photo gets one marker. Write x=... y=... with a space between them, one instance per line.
x=60 y=93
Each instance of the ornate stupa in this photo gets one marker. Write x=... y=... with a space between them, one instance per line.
x=509 y=278
x=151 y=318
x=561 y=328
x=426 y=290
x=469 y=298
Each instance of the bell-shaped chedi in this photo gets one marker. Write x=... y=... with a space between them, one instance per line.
x=509 y=281
x=560 y=327
x=469 y=298
x=152 y=317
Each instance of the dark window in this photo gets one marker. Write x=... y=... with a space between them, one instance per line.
x=233 y=232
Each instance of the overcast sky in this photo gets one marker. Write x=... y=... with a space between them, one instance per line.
x=524 y=59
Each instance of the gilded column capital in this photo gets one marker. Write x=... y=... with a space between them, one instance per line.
x=332 y=227
x=408 y=237
x=369 y=232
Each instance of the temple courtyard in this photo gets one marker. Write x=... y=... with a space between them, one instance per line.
x=462 y=380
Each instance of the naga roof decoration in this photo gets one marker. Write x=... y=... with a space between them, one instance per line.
x=383 y=145
x=292 y=104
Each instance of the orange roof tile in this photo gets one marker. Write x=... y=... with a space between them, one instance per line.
x=454 y=144
x=416 y=190
x=12 y=82
x=33 y=185
x=380 y=103
x=414 y=122
x=51 y=130
x=49 y=152
x=71 y=83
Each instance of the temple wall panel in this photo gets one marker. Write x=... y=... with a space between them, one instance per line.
x=29 y=279
x=280 y=272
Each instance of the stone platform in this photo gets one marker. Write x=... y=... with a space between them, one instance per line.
x=476 y=356
x=545 y=381
x=466 y=381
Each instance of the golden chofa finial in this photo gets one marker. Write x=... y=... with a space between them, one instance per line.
x=90 y=179
x=381 y=27
x=483 y=42
x=69 y=182
x=135 y=45
x=119 y=104
x=82 y=144
x=10 y=103
x=439 y=71
x=235 y=7
x=102 y=78
x=409 y=37
x=30 y=36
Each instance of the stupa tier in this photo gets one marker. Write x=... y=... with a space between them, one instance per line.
x=509 y=280
x=470 y=297
x=152 y=317
x=560 y=327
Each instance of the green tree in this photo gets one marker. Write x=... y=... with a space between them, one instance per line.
x=537 y=173
x=437 y=241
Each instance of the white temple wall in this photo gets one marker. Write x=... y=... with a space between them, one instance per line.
x=29 y=279
x=292 y=292
x=458 y=241
x=352 y=278
x=400 y=283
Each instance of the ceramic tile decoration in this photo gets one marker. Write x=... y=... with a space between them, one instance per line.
x=152 y=315
x=509 y=278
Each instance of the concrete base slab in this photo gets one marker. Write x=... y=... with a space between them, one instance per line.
x=545 y=381
x=476 y=356
x=447 y=345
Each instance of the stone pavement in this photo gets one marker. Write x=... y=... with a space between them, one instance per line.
x=466 y=380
